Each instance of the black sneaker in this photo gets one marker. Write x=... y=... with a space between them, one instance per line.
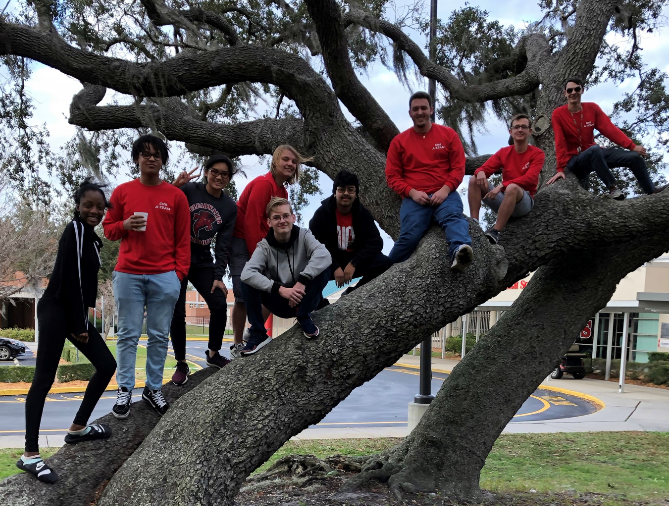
x=121 y=409
x=493 y=235
x=309 y=328
x=37 y=467
x=217 y=360
x=95 y=431
x=156 y=400
x=254 y=347
x=462 y=258
x=181 y=373
x=616 y=194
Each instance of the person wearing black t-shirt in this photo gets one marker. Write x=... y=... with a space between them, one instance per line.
x=213 y=216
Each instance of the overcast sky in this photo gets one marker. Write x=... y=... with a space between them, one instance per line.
x=52 y=91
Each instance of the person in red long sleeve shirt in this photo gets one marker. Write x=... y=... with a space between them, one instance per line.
x=152 y=220
x=576 y=151
x=251 y=226
x=521 y=165
x=425 y=165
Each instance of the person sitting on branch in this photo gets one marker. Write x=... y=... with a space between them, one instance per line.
x=425 y=165
x=286 y=273
x=521 y=165
x=576 y=151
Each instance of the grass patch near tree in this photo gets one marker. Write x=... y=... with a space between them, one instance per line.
x=8 y=458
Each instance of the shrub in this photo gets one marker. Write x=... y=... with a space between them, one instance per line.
x=658 y=356
x=454 y=344
x=26 y=335
x=74 y=372
x=13 y=374
x=658 y=373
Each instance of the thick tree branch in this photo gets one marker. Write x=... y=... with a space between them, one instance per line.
x=326 y=15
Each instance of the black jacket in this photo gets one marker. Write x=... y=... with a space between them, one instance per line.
x=367 y=244
x=74 y=280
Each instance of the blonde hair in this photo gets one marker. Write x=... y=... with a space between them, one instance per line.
x=276 y=158
x=276 y=202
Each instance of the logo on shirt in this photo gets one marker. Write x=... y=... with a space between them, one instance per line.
x=589 y=124
x=438 y=145
x=163 y=205
x=345 y=238
x=203 y=218
x=527 y=166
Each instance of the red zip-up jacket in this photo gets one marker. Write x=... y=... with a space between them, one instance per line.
x=165 y=244
x=519 y=168
x=575 y=130
x=251 y=224
x=425 y=162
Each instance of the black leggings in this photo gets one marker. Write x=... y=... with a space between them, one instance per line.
x=52 y=335
x=202 y=279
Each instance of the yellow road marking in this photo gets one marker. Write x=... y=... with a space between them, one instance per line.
x=546 y=405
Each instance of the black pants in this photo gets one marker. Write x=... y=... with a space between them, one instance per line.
x=378 y=266
x=52 y=334
x=202 y=279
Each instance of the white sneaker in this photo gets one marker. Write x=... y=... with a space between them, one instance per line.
x=235 y=350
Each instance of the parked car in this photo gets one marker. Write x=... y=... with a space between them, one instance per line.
x=10 y=348
x=572 y=363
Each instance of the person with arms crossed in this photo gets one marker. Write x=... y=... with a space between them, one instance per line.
x=348 y=231
x=286 y=273
x=521 y=165
x=425 y=165
x=212 y=217
x=575 y=149
x=152 y=220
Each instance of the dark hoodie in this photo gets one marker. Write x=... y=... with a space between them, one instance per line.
x=74 y=280
x=367 y=244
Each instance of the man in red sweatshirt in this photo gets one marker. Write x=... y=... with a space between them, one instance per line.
x=521 y=165
x=152 y=219
x=576 y=151
x=425 y=165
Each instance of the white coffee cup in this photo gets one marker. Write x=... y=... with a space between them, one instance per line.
x=146 y=218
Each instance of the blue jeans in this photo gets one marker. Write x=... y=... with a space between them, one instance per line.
x=600 y=160
x=415 y=220
x=132 y=293
x=277 y=305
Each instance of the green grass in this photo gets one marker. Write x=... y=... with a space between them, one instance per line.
x=626 y=466
x=8 y=458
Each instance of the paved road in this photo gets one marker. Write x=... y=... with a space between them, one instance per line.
x=380 y=402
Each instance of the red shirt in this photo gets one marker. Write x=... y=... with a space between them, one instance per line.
x=165 y=244
x=519 y=168
x=425 y=162
x=345 y=233
x=576 y=130
x=251 y=223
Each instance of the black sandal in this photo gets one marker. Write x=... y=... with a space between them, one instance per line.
x=40 y=469
x=97 y=431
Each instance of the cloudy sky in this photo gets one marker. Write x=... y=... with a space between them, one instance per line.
x=52 y=90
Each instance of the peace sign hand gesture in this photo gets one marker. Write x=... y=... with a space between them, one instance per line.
x=186 y=177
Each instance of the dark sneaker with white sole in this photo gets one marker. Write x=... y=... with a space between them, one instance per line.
x=254 y=347
x=91 y=432
x=121 y=409
x=181 y=373
x=616 y=195
x=156 y=400
x=462 y=258
x=493 y=235
x=217 y=360
x=37 y=467
x=309 y=328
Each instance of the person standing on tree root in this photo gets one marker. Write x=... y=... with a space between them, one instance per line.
x=521 y=165
x=286 y=273
x=348 y=231
x=151 y=218
x=251 y=227
x=576 y=151
x=425 y=165
x=212 y=215
x=62 y=313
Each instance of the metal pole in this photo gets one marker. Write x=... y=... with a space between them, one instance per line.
x=623 y=355
x=609 y=347
x=479 y=317
x=464 y=336
x=595 y=335
x=425 y=396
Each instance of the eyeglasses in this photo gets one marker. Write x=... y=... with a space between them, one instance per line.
x=520 y=127
x=277 y=217
x=574 y=90
x=147 y=156
x=349 y=189
x=217 y=173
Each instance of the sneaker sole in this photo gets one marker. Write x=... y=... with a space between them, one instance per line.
x=258 y=348
x=215 y=366
x=491 y=239
x=182 y=383
x=82 y=439
x=312 y=336
x=459 y=264
x=121 y=416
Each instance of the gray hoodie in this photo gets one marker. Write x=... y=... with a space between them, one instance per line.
x=274 y=264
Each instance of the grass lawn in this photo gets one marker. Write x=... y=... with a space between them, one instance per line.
x=8 y=458
x=625 y=466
